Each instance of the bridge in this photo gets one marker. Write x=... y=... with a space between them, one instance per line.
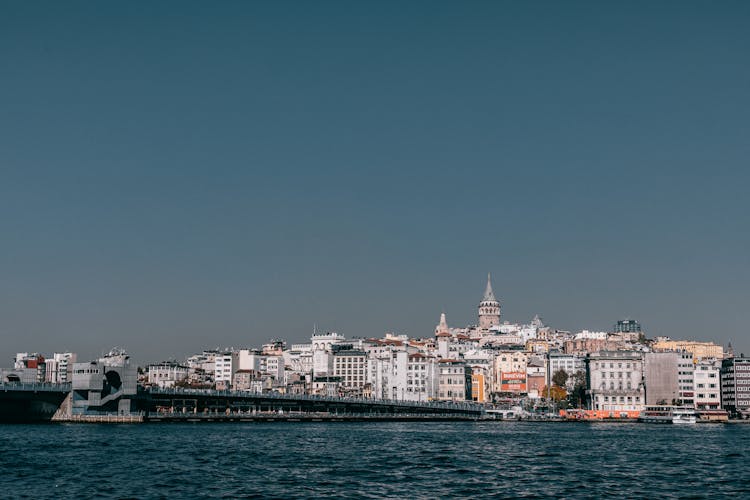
x=200 y=403
x=24 y=402
x=30 y=402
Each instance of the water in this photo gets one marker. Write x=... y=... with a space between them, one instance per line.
x=346 y=460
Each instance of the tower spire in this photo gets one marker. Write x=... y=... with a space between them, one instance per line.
x=442 y=327
x=488 y=294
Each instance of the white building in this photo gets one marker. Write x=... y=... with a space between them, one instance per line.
x=569 y=363
x=167 y=374
x=685 y=369
x=59 y=368
x=403 y=376
x=615 y=381
x=350 y=366
x=707 y=384
x=587 y=335
x=224 y=367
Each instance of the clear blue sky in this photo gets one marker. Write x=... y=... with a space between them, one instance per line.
x=183 y=175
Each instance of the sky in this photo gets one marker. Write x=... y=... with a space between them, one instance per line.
x=177 y=176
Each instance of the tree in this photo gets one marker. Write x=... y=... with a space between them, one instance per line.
x=560 y=378
x=556 y=393
x=578 y=394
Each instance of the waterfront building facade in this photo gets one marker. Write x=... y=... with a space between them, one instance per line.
x=735 y=385
x=660 y=378
x=707 y=384
x=615 y=381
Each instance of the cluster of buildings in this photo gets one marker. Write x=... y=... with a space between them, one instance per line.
x=492 y=362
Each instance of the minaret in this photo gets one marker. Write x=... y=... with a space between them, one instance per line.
x=489 y=308
x=442 y=327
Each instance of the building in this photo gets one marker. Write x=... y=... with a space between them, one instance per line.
x=707 y=384
x=30 y=367
x=615 y=381
x=350 y=365
x=735 y=386
x=699 y=350
x=569 y=363
x=243 y=379
x=59 y=368
x=454 y=380
x=536 y=375
x=167 y=374
x=660 y=377
x=685 y=370
x=627 y=326
x=224 y=367
x=108 y=385
x=489 y=308
x=403 y=376
x=507 y=364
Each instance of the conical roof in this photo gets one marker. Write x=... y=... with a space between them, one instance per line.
x=489 y=296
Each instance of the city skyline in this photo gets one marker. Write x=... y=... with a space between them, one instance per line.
x=175 y=176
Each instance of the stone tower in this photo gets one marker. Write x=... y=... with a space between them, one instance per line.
x=489 y=308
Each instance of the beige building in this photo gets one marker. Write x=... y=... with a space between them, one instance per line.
x=699 y=350
x=454 y=380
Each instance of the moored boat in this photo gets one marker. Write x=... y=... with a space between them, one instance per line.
x=667 y=414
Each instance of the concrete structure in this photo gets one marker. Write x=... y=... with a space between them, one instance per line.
x=615 y=381
x=735 y=386
x=489 y=308
x=660 y=377
x=108 y=385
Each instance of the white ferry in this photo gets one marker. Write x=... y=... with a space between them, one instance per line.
x=683 y=415
x=666 y=414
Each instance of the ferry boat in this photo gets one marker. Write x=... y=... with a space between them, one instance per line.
x=682 y=415
x=665 y=414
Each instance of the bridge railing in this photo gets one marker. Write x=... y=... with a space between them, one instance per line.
x=34 y=386
x=435 y=405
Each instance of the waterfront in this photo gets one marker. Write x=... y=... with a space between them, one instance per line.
x=503 y=459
